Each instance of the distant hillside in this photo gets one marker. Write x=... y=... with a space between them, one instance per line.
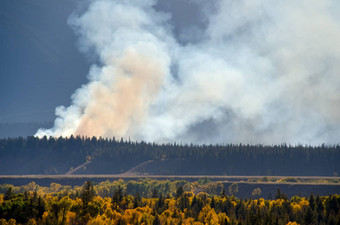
x=76 y=155
x=21 y=129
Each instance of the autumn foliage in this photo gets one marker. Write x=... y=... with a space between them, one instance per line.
x=91 y=205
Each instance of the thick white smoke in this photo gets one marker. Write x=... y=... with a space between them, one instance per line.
x=259 y=72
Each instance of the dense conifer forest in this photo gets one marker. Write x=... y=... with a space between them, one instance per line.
x=32 y=155
x=154 y=202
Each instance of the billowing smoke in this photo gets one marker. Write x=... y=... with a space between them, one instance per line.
x=256 y=72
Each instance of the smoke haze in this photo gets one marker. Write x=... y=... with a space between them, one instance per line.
x=253 y=72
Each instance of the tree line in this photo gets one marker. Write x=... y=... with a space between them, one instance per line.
x=32 y=155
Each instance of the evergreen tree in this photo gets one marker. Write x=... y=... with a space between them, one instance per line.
x=137 y=201
x=156 y=220
x=9 y=194
x=312 y=202
x=87 y=194
x=179 y=192
x=117 y=197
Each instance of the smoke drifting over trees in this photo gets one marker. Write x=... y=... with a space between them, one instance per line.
x=255 y=72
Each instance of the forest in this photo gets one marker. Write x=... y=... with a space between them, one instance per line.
x=158 y=202
x=32 y=155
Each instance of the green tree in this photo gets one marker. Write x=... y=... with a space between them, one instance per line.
x=117 y=197
x=179 y=191
x=137 y=200
x=87 y=194
x=9 y=194
x=156 y=221
x=312 y=202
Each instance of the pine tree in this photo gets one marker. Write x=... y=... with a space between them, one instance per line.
x=137 y=201
x=179 y=192
x=40 y=207
x=117 y=197
x=87 y=194
x=312 y=202
x=156 y=221
x=9 y=194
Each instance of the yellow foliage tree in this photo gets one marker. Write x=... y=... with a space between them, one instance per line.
x=292 y=223
x=71 y=218
x=208 y=216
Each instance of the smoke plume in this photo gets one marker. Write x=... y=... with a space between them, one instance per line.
x=253 y=72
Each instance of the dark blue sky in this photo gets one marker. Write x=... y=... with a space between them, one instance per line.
x=40 y=64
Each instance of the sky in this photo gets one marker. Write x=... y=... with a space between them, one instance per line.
x=182 y=70
x=40 y=62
